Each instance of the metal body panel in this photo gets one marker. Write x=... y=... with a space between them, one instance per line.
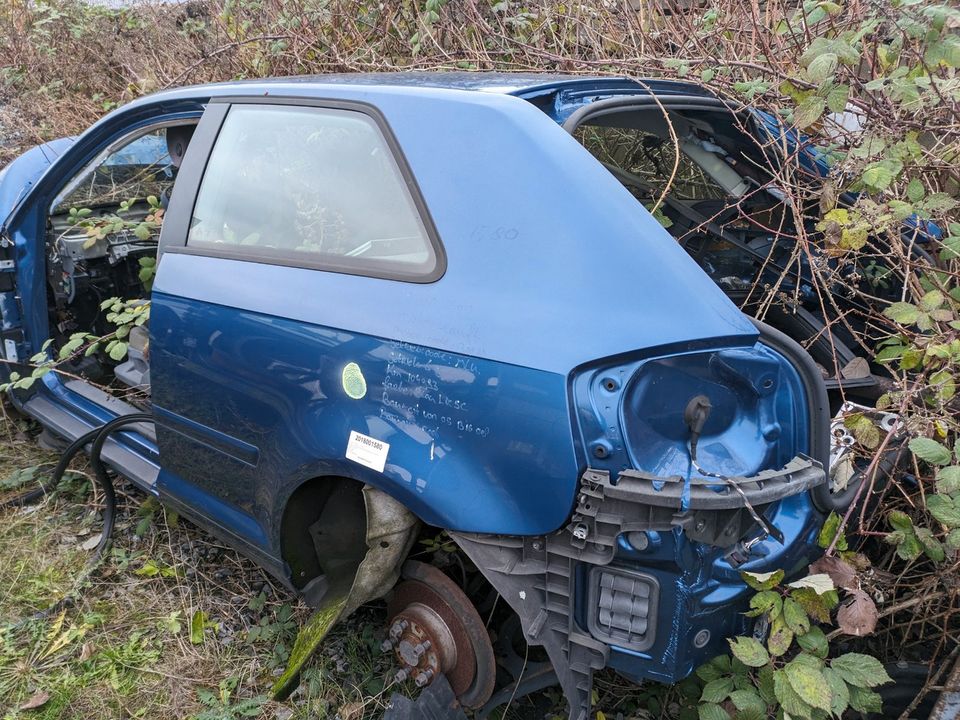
x=486 y=384
x=473 y=444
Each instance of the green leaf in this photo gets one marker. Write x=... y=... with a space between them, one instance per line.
x=930 y=451
x=118 y=351
x=944 y=508
x=953 y=540
x=932 y=300
x=837 y=98
x=900 y=521
x=915 y=190
x=717 y=667
x=903 y=313
x=809 y=684
x=814 y=642
x=931 y=546
x=809 y=111
x=762 y=581
x=717 y=691
x=829 y=531
x=908 y=546
x=711 y=711
x=788 y=698
x=839 y=693
x=198 y=622
x=865 y=701
x=818 y=582
x=818 y=606
x=749 y=651
x=860 y=670
x=748 y=699
x=822 y=67
x=765 y=684
x=780 y=637
x=768 y=602
x=707 y=75
x=795 y=617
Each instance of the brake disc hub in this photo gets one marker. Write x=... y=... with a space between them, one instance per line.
x=423 y=643
x=435 y=629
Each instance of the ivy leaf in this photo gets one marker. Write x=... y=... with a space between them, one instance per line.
x=930 y=451
x=860 y=670
x=749 y=651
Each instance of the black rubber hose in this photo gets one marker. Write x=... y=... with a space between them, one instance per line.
x=97 y=436
x=44 y=488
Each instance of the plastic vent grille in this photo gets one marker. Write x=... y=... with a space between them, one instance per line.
x=625 y=607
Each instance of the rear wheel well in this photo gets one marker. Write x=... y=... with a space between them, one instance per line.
x=324 y=527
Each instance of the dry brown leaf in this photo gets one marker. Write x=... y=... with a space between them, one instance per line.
x=841 y=572
x=352 y=711
x=857 y=614
x=86 y=652
x=39 y=699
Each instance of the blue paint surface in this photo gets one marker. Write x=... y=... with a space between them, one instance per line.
x=488 y=385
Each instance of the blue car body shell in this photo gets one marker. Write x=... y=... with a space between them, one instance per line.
x=567 y=331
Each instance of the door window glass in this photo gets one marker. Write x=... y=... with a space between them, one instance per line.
x=311 y=186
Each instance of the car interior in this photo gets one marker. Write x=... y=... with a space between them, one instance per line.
x=716 y=189
x=99 y=227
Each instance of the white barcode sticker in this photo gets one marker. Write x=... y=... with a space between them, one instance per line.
x=367 y=451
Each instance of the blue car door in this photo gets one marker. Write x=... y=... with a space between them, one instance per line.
x=292 y=203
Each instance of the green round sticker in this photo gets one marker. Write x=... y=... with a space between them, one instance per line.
x=353 y=383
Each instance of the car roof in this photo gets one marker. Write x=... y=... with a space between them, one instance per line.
x=506 y=83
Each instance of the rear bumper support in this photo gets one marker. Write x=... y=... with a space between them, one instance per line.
x=536 y=575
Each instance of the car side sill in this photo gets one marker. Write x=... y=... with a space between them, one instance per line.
x=54 y=417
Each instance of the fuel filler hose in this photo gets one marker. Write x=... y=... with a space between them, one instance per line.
x=96 y=438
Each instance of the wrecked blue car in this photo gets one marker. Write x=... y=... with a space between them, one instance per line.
x=384 y=303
